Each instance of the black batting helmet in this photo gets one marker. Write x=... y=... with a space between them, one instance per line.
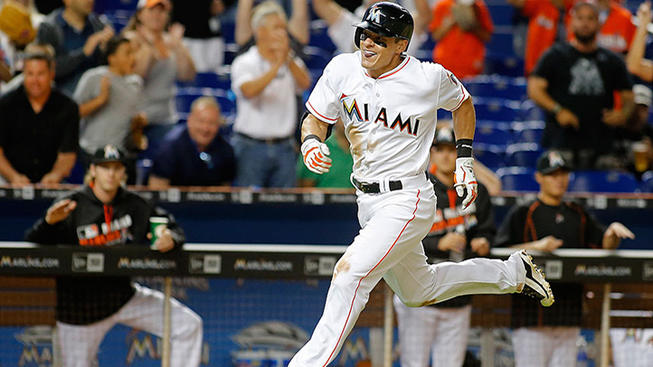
x=386 y=19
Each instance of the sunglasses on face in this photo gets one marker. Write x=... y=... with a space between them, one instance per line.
x=375 y=39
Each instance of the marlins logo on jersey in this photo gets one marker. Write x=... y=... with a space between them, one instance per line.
x=356 y=114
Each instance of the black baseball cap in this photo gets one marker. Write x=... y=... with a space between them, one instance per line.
x=444 y=135
x=551 y=161
x=109 y=153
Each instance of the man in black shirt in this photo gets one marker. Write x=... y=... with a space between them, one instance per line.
x=548 y=337
x=39 y=127
x=440 y=331
x=575 y=82
x=104 y=214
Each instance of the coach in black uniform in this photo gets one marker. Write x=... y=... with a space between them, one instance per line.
x=440 y=331
x=105 y=214
x=547 y=337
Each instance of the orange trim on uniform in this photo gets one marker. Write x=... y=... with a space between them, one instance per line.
x=529 y=224
x=319 y=114
x=365 y=276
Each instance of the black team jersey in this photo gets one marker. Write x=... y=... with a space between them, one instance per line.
x=569 y=222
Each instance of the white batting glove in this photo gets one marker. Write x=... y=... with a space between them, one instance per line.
x=464 y=179
x=316 y=156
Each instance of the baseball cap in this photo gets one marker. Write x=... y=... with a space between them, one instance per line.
x=110 y=153
x=152 y=3
x=643 y=94
x=551 y=161
x=444 y=135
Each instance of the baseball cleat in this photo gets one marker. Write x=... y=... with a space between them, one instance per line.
x=536 y=286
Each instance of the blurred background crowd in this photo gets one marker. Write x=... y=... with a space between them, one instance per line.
x=210 y=92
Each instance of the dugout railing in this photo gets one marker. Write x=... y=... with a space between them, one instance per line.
x=618 y=288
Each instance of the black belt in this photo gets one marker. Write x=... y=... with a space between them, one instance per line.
x=267 y=141
x=374 y=188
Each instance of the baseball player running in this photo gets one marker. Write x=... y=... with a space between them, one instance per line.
x=387 y=102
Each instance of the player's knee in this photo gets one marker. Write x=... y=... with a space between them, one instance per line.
x=415 y=301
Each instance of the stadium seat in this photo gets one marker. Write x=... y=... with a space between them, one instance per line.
x=503 y=64
x=494 y=86
x=528 y=131
x=531 y=112
x=186 y=96
x=319 y=36
x=316 y=58
x=647 y=182
x=491 y=132
x=490 y=155
x=518 y=179
x=523 y=154
x=602 y=181
x=104 y=6
x=496 y=109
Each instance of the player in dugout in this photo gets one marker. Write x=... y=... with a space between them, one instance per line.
x=547 y=338
x=103 y=213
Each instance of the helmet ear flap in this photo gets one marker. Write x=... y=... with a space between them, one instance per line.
x=357 y=37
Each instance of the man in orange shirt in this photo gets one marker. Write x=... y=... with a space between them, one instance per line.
x=461 y=27
x=543 y=17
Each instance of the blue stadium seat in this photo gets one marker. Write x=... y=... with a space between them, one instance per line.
x=531 y=112
x=496 y=109
x=208 y=80
x=603 y=181
x=316 y=58
x=319 y=36
x=518 y=179
x=523 y=154
x=647 y=182
x=490 y=155
x=491 y=132
x=501 y=63
x=527 y=131
x=185 y=97
x=494 y=86
x=104 y=6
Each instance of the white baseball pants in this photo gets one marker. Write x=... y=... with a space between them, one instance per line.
x=545 y=346
x=389 y=246
x=78 y=344
x=438 y=333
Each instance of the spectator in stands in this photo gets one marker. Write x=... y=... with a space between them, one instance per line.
x=102 y=213
x=547 y=337
x=575 y=82
x=161 y=58
x=195 y=154
x=77 y=35
x=461 y=28
x=202 y=34
x=636 y=136
x=486 y=176
x=18 y=24
x=543 y=25
x=297 y=26
x=440 y=331
x=39 y=126
x=617 y=29
x=635 y=61
x=341 y=168
x=341 y=22
x=109 y=101
x=265 y=80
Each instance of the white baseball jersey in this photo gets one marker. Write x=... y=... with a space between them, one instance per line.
x=389 y=121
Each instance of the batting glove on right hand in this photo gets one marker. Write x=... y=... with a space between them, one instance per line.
x=465 y=179
x=316 y=156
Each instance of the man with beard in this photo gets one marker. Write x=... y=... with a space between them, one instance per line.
x=575 y=83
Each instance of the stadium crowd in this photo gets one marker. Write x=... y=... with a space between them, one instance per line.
x=133 y=69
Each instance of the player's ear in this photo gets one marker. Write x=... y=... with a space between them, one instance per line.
x=403 y=46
